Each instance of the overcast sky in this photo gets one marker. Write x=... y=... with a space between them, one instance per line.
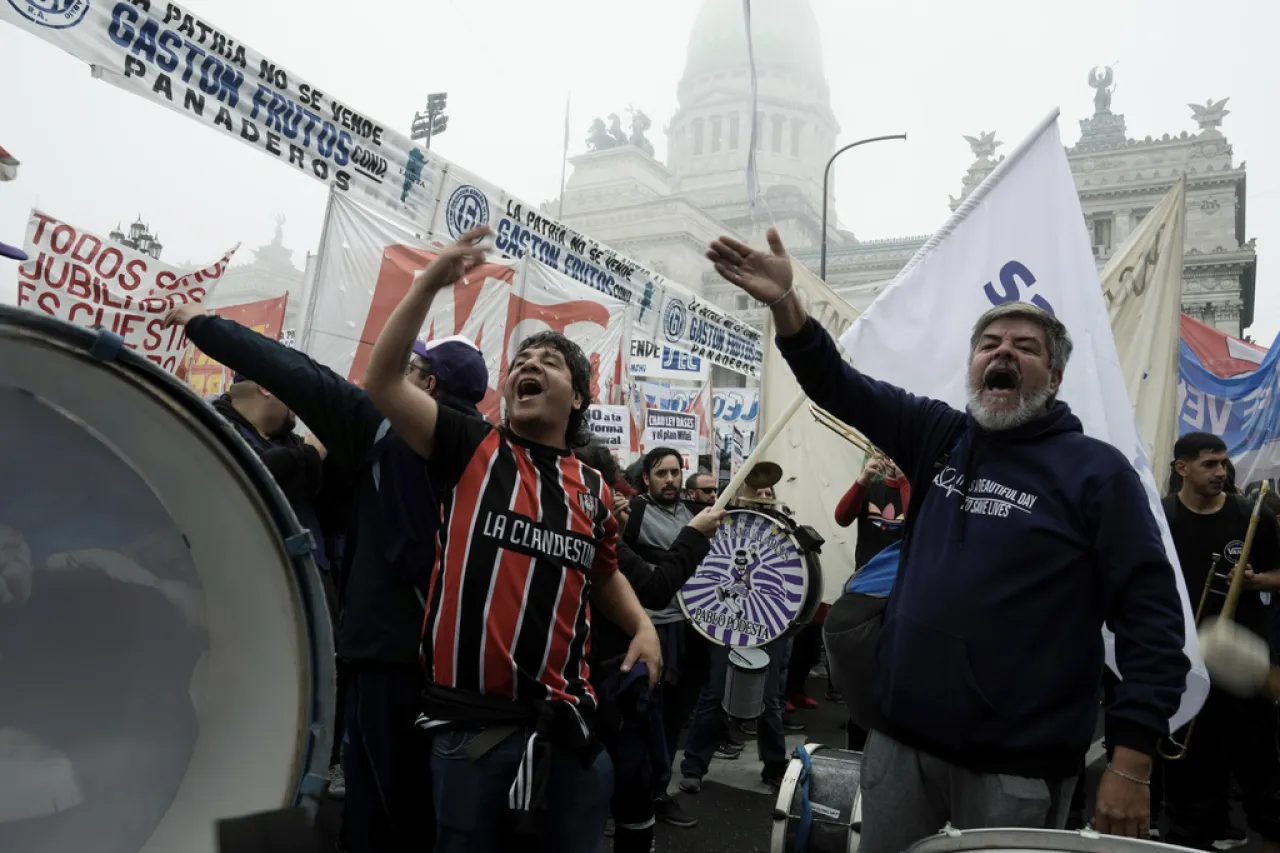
x=935 y=69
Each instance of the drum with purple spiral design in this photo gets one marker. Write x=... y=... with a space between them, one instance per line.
x=757 y=584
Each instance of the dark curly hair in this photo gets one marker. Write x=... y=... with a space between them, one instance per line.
x=577 y=434
x=597 y=455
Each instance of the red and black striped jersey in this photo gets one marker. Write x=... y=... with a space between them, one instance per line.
x=523 y=529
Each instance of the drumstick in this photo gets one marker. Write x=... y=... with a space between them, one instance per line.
x=1238 y=660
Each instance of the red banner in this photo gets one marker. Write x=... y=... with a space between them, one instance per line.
x=496 y=311
x=1220 y=353
x=207 y=376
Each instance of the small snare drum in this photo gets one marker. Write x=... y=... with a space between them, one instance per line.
x=951 y=840
x=829 y=780
x=745 y=682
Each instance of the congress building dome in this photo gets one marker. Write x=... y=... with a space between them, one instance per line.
x=785 y=35
x=709 y=137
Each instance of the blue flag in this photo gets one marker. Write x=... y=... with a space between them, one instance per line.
x=1244 y=410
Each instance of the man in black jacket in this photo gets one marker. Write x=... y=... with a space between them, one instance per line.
x=387 y=760
x=656 y=586
x=656 y=518
x=295 y=463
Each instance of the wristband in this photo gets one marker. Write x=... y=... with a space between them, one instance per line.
x=778 y=301
x=1134 y=779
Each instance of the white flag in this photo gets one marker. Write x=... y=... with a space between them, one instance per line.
x=1142 y=285
x=1019 y=236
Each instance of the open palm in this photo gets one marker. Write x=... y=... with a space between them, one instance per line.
x=463 y=255
x=764 y=275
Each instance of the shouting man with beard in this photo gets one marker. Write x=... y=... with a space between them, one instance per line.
x=1024 y=537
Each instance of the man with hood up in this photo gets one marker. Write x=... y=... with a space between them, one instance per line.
x=1031 y=536
x=380 y=490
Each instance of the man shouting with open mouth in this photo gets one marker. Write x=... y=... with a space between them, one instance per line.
x=1024 y=536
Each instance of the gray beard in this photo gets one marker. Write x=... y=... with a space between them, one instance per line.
x=1029 y=407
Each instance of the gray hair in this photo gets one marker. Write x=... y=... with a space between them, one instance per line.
x=1056 y=337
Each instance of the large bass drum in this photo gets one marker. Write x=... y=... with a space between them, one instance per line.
x=761 y=581
x=819 y=807
x=166 y=656
x=1035 y=841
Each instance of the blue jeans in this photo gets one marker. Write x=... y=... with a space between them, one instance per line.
x=704 y=734
x=471 y=797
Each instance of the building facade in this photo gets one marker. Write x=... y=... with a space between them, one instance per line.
x=270 y=274
x=665 y=214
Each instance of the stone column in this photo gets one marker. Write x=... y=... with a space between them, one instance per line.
x=1123 y=227
x=1227 y=315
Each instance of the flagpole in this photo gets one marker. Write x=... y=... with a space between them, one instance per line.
x=762 y=445
x=771 y=434
x=302 y=336
x=564 y=157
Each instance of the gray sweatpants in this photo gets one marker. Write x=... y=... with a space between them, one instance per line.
x=908 y=795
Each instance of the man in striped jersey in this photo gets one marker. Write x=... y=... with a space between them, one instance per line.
x=526 y=537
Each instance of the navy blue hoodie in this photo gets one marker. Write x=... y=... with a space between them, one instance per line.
x=1022 y=543
x=382 y=603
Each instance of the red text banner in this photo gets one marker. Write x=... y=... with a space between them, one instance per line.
x=266 y=317
x=85 y=279
x=498 y=305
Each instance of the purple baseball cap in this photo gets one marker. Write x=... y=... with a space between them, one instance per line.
x=458 y=366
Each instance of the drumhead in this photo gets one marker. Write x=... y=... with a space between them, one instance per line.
x=164 y=661
x=1035 y=841
x=751 y=588
x=749 y=659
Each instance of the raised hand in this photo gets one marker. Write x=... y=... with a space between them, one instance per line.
x=184 y=314
x=764 y=275
x=457 y=259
